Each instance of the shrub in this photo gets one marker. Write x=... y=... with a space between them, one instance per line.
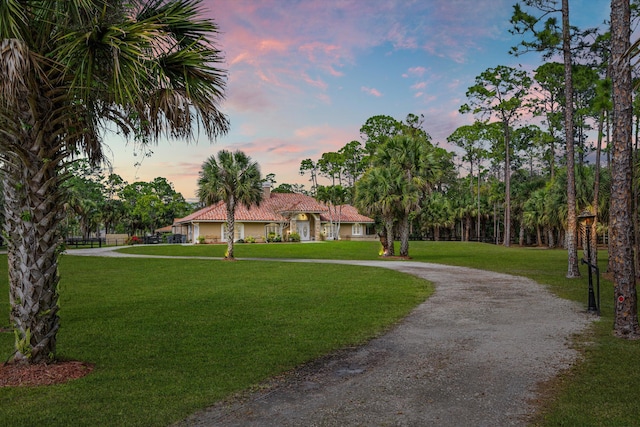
x=133 y=240
x=294 y=237
x=250 y=239
x=273 y=237
x=201 y=239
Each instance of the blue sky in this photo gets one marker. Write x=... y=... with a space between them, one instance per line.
x=305 y=75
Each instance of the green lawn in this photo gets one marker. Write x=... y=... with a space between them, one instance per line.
x=171 y=336
x=601 y=391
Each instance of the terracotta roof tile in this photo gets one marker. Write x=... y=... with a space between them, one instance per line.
x=348 y=213
x=276 y=208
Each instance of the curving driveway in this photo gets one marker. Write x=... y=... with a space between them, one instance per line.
x=471 y=355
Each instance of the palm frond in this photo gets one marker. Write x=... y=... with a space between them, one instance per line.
x=13 y=20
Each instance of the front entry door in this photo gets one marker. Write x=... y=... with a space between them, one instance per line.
x=303 y=230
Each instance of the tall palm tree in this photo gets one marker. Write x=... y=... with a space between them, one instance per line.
x=233 y=178
x=68 y=70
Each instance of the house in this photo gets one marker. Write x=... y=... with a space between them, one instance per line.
x=278 y=214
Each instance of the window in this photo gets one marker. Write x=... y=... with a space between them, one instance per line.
x=238 y=231
x=356 y=229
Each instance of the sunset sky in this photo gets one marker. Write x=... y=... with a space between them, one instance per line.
x=305 y=75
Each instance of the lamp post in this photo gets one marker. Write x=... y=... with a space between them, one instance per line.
x=587 y=219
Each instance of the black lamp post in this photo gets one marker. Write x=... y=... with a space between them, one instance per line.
x=587 y=218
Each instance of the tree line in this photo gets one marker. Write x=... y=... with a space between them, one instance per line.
x=100 y=203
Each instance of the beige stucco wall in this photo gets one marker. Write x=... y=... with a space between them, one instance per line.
x=347 y=228
x=255 y=230
x=212 y=231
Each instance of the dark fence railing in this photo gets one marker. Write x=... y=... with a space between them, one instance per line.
x=81 y=241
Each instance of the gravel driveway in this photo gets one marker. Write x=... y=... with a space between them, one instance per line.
x=471 y=355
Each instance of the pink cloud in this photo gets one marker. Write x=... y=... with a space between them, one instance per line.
x=414 y=72
x=316 y=49
x=324 y=98
x=371 y=91
x=400 y=40
x=333 y=72
x=242 y=57
x=319 y=83
x=271 y=45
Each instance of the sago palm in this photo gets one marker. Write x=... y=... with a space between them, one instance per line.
x=68 y=71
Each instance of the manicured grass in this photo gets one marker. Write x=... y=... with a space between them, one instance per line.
x=165 y=334
x=169 y=337
x=601 y=391
x=315 y=250
x=545 y=266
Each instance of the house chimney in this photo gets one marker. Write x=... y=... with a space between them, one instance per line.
x=266 y=190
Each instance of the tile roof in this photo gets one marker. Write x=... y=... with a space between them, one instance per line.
x=348 y=213
x=275 y=208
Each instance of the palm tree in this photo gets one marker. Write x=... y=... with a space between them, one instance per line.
x=437 y=213
x=533 y=213
x=417 y=169
x=68 y=70
x=377 y=194
x=233 y=178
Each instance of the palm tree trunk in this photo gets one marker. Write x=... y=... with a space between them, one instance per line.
x=521 y=234
x=467 y=231
x=231 y=225
x=33 y=212
x=390 y=237
x=404 y=236
x=550 y=238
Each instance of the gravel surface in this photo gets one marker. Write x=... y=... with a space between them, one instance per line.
x=471 y=355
